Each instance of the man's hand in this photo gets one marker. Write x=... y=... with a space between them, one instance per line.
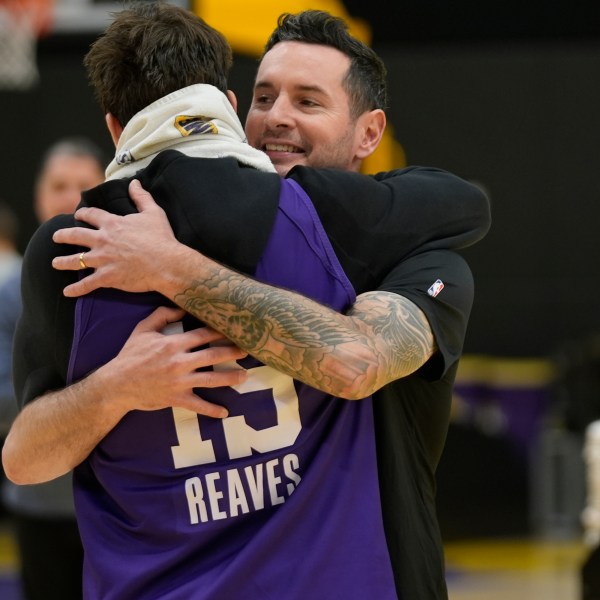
x=154 y=371
x=57 y=431
x=129 y=253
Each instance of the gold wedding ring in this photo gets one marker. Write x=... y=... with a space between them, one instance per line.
x=82 y=262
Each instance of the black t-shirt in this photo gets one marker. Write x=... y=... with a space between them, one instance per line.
x=383 y=242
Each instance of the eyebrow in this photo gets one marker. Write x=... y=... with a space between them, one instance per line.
x=300 y=88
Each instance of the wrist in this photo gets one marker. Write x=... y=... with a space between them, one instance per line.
x=183 y=267
x=108 y=392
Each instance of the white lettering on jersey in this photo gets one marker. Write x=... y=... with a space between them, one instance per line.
x=255 y=483
x=241 y=439
x=273 y=481
x=237 y=496
x=193 y=491
x=217 y=495
x=192 y=449
x=290 y=465
x=214 y=496
x=209 y=489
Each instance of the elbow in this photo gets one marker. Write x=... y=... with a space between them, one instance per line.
x=11 y=467
x=355 y=397
x=356 y=376
x=15 y=468
x=483 y=211
x=365 y=386
x=358 y=389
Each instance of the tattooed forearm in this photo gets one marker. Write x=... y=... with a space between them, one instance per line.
x=252 y=312
x=346 y=355
x=401 y=325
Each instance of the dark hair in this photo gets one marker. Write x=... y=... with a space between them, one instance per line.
x=365 y=81
x=150 y=50
x=78 y=146
x=9 y=224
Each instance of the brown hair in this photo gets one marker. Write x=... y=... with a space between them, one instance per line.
x=150 y=50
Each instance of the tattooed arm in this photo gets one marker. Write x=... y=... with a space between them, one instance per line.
x=383 y=337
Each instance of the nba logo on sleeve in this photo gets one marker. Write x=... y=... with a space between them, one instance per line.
x=436 y=288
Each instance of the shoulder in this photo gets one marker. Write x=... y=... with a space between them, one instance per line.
x=400 y=184
x=432 y=276
x=39 y=279
x=44 y=331
x=441 y=284
x=41 y=249
x=215 y=205
x=426 y=205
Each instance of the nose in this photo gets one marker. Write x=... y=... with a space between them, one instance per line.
x=280 y=114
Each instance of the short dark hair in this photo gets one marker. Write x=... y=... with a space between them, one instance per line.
x=78 y=146
x=150 y=50
x=365 y=81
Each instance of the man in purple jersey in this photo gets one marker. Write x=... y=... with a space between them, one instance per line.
x=259 y=540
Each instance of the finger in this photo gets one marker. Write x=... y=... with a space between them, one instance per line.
x=217 y=379
x=221 y=349
x=77 y=236
x=94 y=216
x=82 y=287
x=159 y=318
x=214 y=356
x=202 y=336
x=72 y=262
x=142 y=199
x=203 y=407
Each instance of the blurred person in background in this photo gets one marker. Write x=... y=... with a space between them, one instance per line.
x=10 y=258
x=10 y=262
x=47 y=536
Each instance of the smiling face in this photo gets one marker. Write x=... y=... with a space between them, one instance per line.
x=300 y=113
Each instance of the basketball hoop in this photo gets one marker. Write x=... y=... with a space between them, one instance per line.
x=21 y=23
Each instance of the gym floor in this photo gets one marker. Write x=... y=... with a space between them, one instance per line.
x=514 y=569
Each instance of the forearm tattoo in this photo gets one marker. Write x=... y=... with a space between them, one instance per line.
x=401 y=325
x=346 y=355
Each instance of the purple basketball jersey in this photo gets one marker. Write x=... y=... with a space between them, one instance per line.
x=279 y=501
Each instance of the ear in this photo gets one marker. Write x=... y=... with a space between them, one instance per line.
x=114 y=127
x=232 y=98
x=370 y=128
